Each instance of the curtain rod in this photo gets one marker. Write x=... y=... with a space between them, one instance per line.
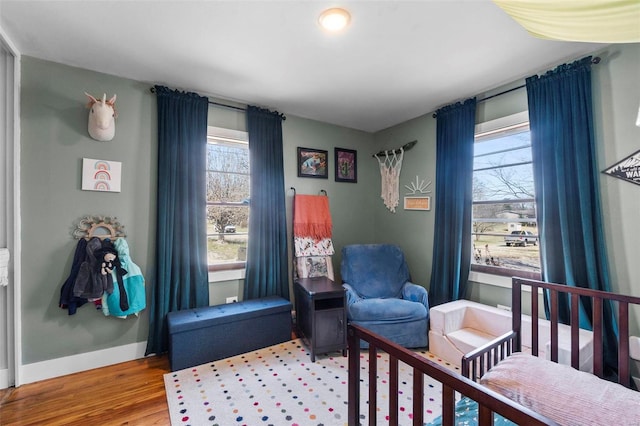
x=594 y=60
x=153 y=90
x=237 y=108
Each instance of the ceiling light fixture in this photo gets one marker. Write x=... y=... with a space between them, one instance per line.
x=334 y=19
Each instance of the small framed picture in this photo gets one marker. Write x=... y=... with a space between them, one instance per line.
x=346 y=165
x=312 y=163
x=417 y=203
x=101 y=175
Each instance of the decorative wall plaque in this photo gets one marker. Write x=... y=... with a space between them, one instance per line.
x=627 y=169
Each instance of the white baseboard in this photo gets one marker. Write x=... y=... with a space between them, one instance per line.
x=49 y=369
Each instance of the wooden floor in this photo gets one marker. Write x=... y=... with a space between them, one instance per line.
x=131 y=393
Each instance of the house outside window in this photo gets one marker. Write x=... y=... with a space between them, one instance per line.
x=228 y=198
x=504 y=225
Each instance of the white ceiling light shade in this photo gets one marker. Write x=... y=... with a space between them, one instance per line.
x=334 y=19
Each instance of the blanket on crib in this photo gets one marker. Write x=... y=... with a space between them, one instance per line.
x=563 y=394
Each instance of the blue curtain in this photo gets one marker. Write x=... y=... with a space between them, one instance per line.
x=267 y=271
x=454 y=180
x=181 y=234
x=572 y=246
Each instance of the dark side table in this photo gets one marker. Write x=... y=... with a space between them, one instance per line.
x=321 y=315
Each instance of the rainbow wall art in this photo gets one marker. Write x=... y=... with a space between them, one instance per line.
x=101 y=175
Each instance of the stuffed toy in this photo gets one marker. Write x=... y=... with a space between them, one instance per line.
x=102 y=117
x=107 y=263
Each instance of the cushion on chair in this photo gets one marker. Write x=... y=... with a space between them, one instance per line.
x=386 y=310
x=374 y=270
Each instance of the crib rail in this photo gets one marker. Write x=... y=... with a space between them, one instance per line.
x=476 y=363
x=479 y=361
x=489 y=402
x=599 y=300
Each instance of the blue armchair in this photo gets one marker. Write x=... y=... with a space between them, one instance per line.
x=380 y=296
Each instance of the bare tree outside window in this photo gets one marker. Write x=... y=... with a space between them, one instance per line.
x=504 y=231
x=228 y=200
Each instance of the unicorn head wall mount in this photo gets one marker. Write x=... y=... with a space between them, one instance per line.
x=102 y=117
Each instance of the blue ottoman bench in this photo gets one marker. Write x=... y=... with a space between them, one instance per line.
x=201 y=335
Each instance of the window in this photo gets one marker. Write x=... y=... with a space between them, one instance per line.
x=228 y=198
x=504 y=227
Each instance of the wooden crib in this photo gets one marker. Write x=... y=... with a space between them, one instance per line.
x=499 y=398
x=558 y=391
x=488 y=401
x=476 y=363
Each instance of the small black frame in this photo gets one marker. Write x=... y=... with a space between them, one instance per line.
x=346 y=165
x=313 y=163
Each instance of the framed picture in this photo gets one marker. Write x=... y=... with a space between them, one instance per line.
x=346 y=165
x=417 y=203
x=101 y=175
x=312 y=163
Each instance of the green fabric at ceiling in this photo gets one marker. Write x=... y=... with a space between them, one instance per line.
x=596 y=21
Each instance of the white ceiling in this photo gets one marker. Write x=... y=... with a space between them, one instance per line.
x=397 y=60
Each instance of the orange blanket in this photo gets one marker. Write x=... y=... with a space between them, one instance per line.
x=311 y=216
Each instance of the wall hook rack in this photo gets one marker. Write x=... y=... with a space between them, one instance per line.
x=406 y=147
x=102 y=227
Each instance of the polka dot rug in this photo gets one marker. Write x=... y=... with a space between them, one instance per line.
x=280 y=386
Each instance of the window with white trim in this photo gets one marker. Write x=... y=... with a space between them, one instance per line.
x=228 y=198
x=504 y=228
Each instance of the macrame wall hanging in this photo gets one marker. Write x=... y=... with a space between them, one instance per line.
x=390 y=166
x=390 y=163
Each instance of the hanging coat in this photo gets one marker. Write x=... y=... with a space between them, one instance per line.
x=67 y=299
x=90 y=282
x=133 y=284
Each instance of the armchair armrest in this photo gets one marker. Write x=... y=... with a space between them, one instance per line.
x=352 y=295
x=415 y=293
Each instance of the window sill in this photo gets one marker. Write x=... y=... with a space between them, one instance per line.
x=226 y=274
x=227 y=266
x=497 y=280
x=490 y=279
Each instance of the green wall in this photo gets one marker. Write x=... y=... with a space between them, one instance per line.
x=55 y=139
x=351 y=203
x=53 y=142
x=412 y=230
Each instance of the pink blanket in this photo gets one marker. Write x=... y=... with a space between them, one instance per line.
x=563 y=394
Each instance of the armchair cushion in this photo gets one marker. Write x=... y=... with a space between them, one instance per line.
x=386 y=310
x=374 y=270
